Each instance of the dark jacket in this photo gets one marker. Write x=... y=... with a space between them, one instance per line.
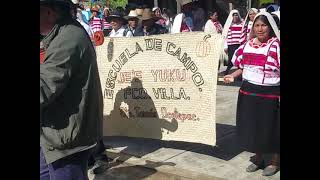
x=152 y=30
x=71 y=104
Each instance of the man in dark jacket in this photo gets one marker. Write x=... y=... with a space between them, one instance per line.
x=71 y=104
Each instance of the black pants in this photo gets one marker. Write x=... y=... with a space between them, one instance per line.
x=231 y=50
x=98 y=153
x=71 y=167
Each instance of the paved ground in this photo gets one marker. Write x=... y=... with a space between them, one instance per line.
x=136 y=158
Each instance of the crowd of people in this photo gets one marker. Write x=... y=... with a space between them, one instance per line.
x=69 y=78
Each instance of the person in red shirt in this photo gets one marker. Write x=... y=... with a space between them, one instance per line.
x=258 y=106
x=232 y=42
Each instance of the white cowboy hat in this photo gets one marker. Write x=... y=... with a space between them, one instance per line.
x=132 y=14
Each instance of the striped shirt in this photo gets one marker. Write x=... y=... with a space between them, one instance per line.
x=234 y=34
x=96 y=25
x=245 y=32
x=106 y=24
x=260 y=63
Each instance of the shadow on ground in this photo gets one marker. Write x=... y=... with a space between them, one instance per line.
x=226 y=147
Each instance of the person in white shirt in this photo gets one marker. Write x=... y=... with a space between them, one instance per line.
x=117 y=23
x=247 y=25
x=258 y=105
x=85 y=26
x=213 y=25
x=183 y=21
x=132 y=24
x=76 y=13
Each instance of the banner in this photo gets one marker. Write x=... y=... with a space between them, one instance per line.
x=160 y=87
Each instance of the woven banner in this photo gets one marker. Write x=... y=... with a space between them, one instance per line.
x=160 y=87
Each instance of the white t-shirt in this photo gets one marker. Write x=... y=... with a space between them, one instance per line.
x=119 y=33
x=130 y=33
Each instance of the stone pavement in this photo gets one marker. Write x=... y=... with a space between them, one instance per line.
x=138 y=158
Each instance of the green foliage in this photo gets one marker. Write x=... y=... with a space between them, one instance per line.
x=118 y=3
x=265 y=2
x=115 y=3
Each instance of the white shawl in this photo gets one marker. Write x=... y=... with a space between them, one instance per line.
x=177 y=23
x=229 y=22
x=247 y=19
x=271 y=21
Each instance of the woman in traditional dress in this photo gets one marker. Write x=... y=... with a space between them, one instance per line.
x=213 y=25
x=162 y=20
x=232 y=33
x=183 y=22
x=247 y=25
x=95 y=22
x=107 y=27
x=258 y=108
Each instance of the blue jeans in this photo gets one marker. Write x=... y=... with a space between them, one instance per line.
x=73 y=167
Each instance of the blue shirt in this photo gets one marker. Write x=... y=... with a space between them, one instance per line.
x=86 y=16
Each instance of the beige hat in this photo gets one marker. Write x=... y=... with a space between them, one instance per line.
x=132 y=14
x=139 y=11
x=147 y=14
x=184 y=2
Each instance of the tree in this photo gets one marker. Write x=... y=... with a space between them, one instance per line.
x=241 y=5
x=115 y=3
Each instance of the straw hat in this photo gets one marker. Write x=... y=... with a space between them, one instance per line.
x=132 y=14
x=184 y=2
x=139 y=11
x=147 y=14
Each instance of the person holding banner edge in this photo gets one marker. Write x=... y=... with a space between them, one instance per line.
x=71 y=104
x=258 y=108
